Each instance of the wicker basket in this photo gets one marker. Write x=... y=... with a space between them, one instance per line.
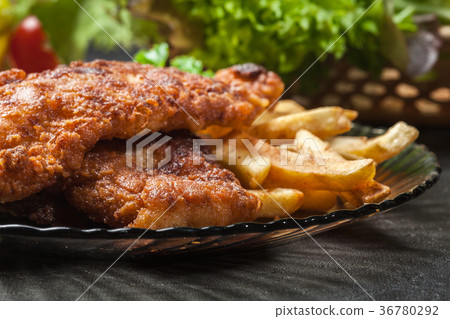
x=393 y=96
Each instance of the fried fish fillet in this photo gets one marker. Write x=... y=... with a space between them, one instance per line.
x=49 y=120
x=188 y=191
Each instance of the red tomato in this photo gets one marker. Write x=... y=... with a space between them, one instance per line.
x=29 y=49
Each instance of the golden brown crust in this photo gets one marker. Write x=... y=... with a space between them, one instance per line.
x=49 y=120
x=179 y=194
x=252 y=81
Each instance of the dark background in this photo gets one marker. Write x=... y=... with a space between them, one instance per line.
x=399 y=255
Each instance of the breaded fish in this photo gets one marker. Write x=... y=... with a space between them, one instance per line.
x=49 y=120
x=188 y=191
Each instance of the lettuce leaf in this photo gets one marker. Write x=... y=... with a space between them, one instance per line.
x=159 y=54
x=156 y=56
x=287 y=35
x=190 y=64
x=284 y=35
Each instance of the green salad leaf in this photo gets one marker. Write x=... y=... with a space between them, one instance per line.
x=159 y=54
x=190 y=64
x=283 y=35
x=156 y=56
x=288 y=35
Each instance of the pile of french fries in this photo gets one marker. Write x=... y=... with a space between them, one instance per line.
x=311 y=167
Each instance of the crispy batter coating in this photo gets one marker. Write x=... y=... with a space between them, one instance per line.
x=49 y=120
x=188 y=191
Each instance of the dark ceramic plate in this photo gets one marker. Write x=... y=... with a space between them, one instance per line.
x=409 y=174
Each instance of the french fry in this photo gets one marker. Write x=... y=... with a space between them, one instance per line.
x=378 y=148
x=314 y=156
x=338 y=177
x=250 y=171
x=287 y=107
x=268 y=116
x=290 y=201
x=323 y=122
x=303 y=137
x=313 y=172
x=369 y=192
x=307 y=171
x=283 y=107
x=318 y=200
